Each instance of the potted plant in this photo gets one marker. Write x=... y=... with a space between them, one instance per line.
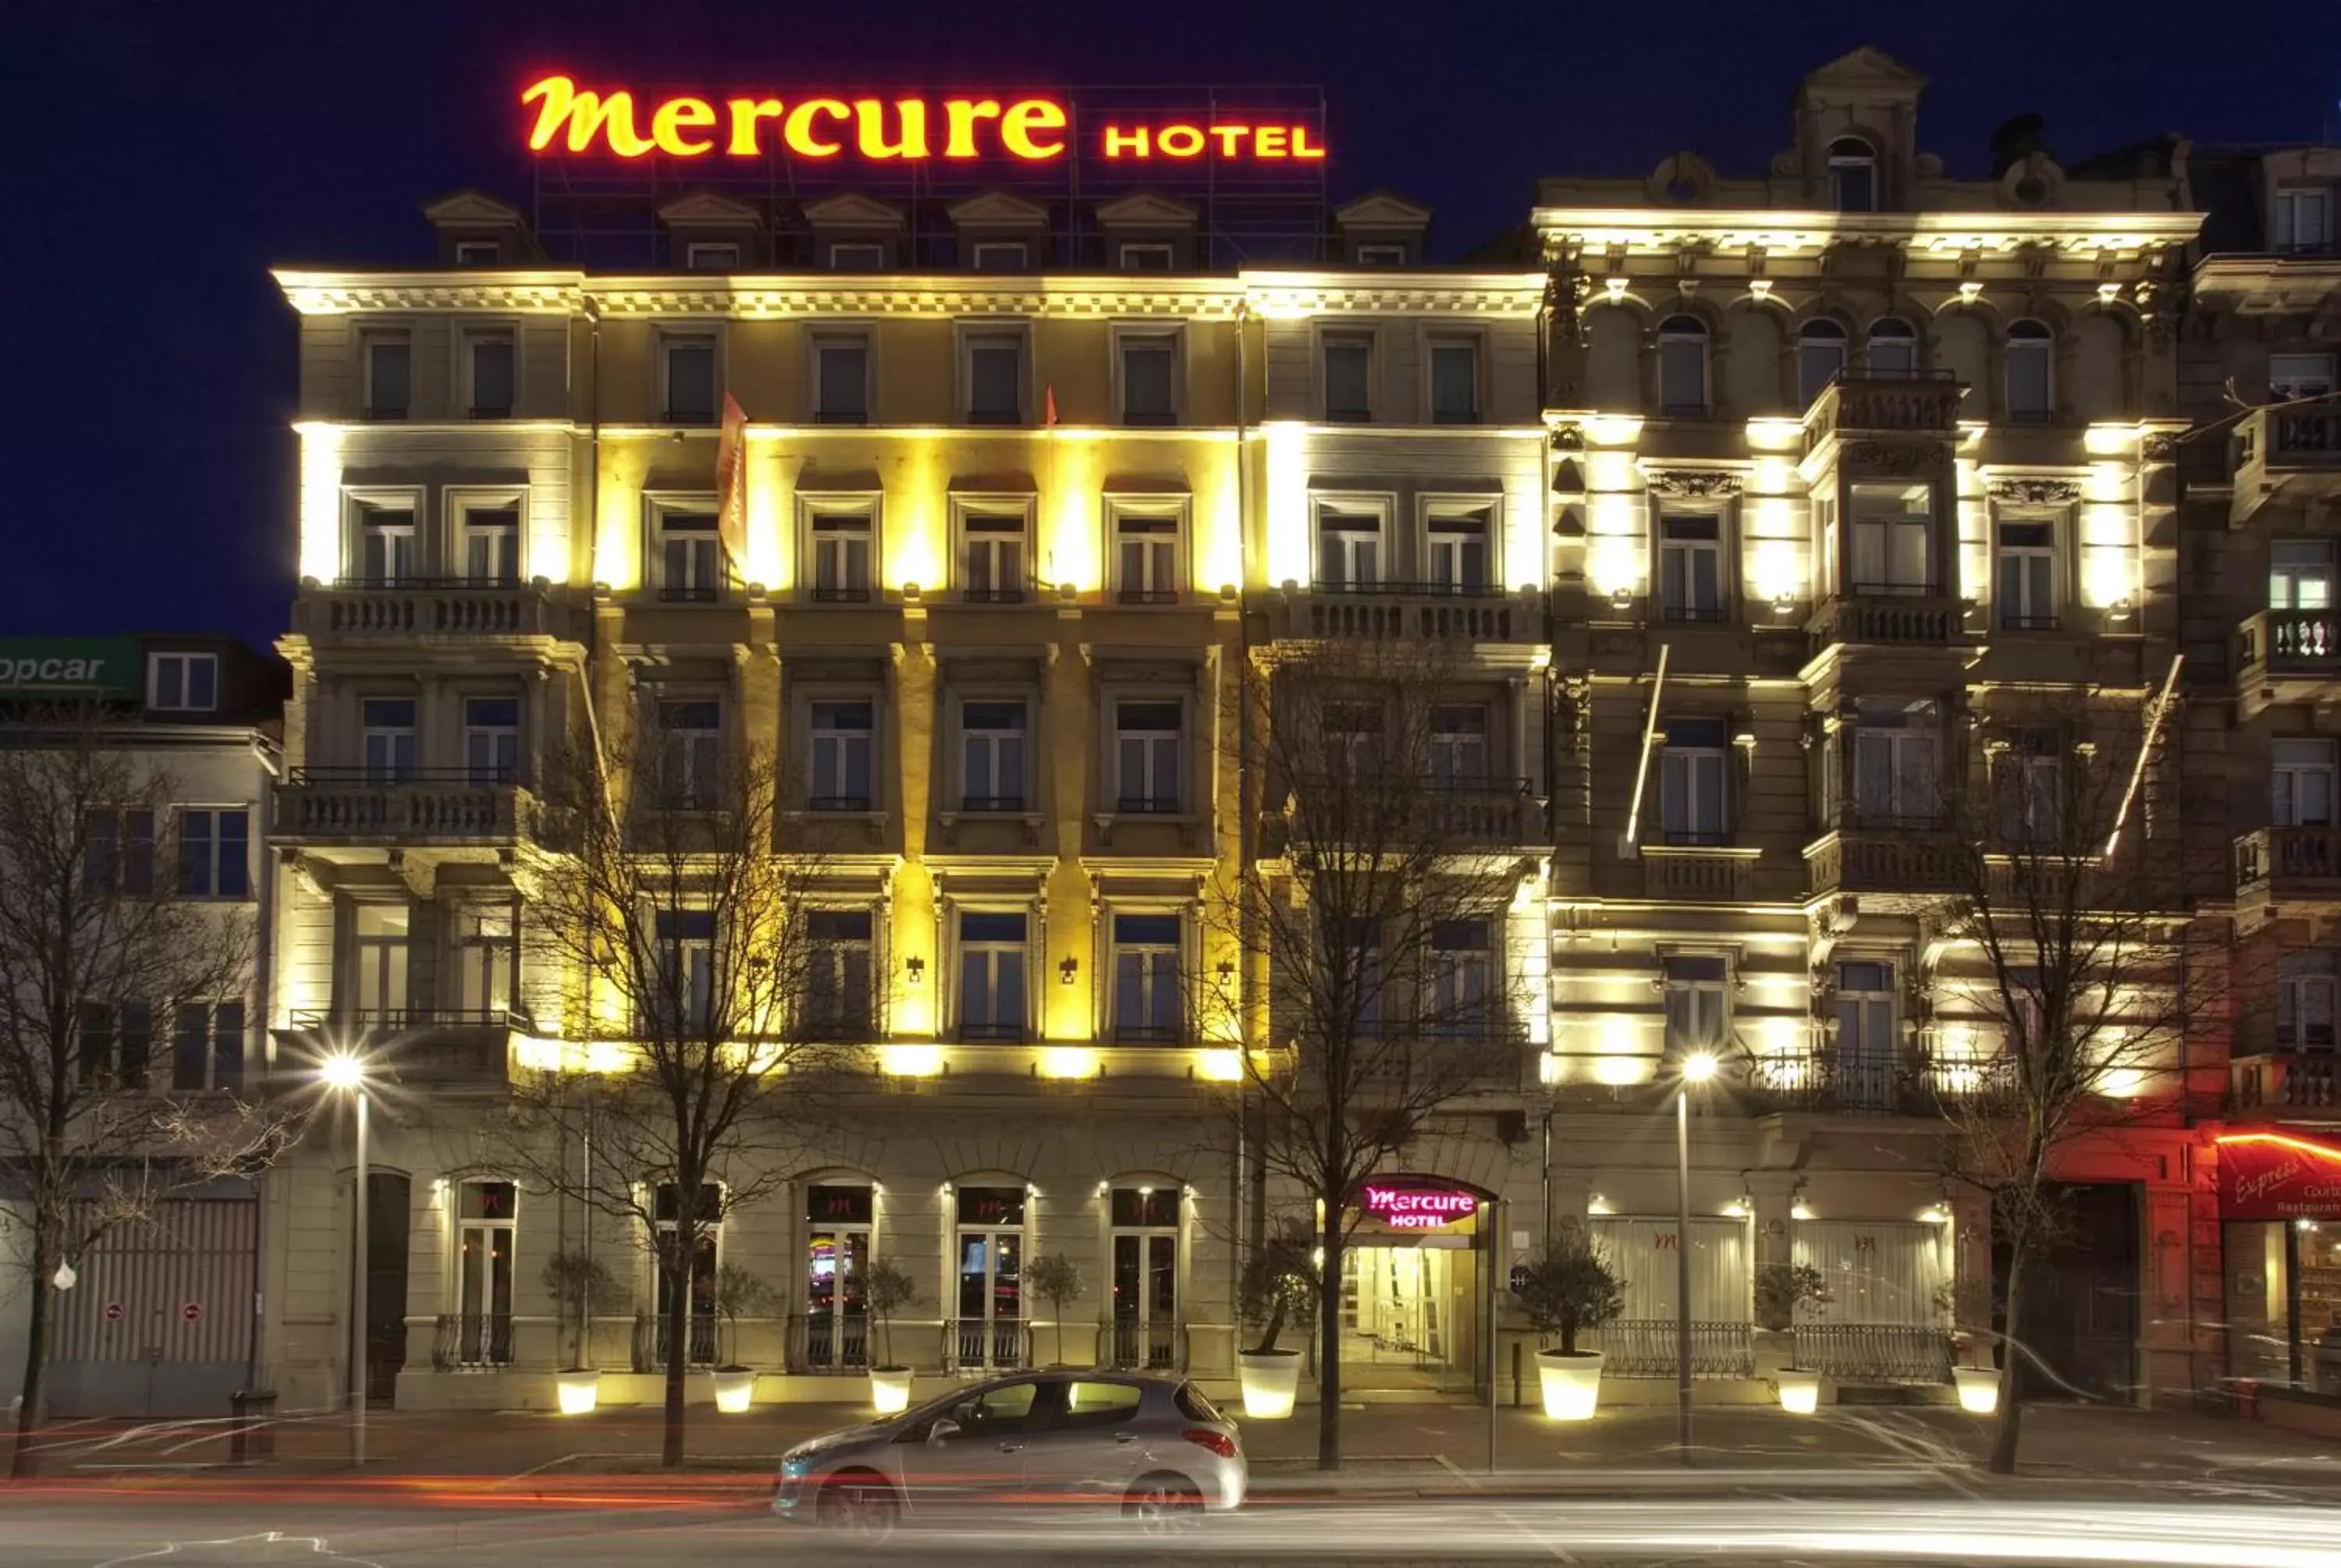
x=1279 y=1285
x=574 y=1280
x=1567 y=1290
x=739 y=1293
x=1781 y=1289
x=1056 y=1280
x=887 y=1290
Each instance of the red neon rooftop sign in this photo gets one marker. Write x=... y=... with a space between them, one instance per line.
x=569 y=119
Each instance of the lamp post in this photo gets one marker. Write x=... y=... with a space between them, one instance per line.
x=1697 y=1068
x=346 y=1074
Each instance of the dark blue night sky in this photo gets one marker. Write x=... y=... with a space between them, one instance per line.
x=161 y=156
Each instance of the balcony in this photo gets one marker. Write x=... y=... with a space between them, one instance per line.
x=327 y=806
x=1408 y=611
x=2277 y=864
x=2285 y=1080
x=1869 y=1086
x=354 y=609
x=1495 y=813
x=2285 y=448
x=2286 y=655
x=1698 y=873
x=424 y=1047
x=1407 y=813
x=1916 y=861
x=1919 y=402
x=1886 y=619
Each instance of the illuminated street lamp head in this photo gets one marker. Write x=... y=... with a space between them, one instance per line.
x=1697 y=1067
x=341 y=1072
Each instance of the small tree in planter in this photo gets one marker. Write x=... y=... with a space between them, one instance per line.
x=1571 y=1288
x=575 y=1281
x=1056 y=1279
x=1278 y=1286
x=887 y=1290
x=1781 y=1288
x=740 y=1293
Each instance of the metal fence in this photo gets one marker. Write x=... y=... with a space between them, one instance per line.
x=999 y=1345
x=651 y=1340
x=1875 y=1352
x=1644 y=1347
x=461 y=1339
x=1141 y=1347
x=828 y=1343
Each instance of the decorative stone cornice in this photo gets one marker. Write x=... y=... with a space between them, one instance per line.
x=507 y=293
x=2036 y=491
x=1897 y=457
x=1697 y=483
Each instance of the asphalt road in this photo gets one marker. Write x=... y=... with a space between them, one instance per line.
x=186 y=1529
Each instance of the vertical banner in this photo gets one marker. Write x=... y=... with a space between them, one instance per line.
x=732 y=483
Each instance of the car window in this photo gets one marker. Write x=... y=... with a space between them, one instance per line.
x=1195 y=1407
x=1006 y=1408
x=1091 y=1404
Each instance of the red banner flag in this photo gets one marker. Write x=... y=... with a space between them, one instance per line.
x=731 y=481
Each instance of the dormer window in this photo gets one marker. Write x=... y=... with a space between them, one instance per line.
x=1000 y=256
x=857 y=256
x=183 y=682
x=2303 y=218
x=1147 y=257
x=705 y=257
x=1381 y=256
x=478 y=253
x=1853 y=176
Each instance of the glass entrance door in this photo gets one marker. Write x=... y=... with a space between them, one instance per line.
x=991 y=1327
x=836 y=1302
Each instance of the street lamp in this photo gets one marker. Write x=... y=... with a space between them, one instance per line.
x=1697 y=1068
x=346 y=1074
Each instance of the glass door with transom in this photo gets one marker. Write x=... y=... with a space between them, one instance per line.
x=1146 y=1278
x=989 y=1332
x=837 y=1255
x=698 y=1280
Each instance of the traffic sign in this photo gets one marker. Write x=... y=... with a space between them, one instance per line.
x=192 y=1311
x=114 y=1312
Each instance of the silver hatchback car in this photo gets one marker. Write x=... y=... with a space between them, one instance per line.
x=1153 y=1448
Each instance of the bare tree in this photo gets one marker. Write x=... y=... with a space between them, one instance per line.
x=95 y=951
x=2068 y=937
x=1372 y=921
x=703 y=1012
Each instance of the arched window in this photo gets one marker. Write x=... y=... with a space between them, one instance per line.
x=1682 y=367
x=1820 y=356
x=2031 y=360
x=1893 y=347
x=1853 y=176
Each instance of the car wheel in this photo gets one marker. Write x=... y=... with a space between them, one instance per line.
x=1164 y=1504
x=858 y=1505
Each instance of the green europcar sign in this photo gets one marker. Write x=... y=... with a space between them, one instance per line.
x=68 y=667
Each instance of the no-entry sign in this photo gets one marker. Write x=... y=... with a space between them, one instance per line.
x=192 y=1311
x=114 y=1312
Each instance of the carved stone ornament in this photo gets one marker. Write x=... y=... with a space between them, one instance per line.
x=1692 y=482
x=2036 y=491
x=2162 y=447
x=1897 y=457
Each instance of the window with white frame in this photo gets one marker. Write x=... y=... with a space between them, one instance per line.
x=207 y=1047
x=840 y=385
x=994 y=553
x=1698 y=989
x=378 y=962
x=491 y=740
x=215 y=852
x=489 y=374
x=1353 y=742
x=845 y=744
x=1381 y=256
x=1893 y=529
x=1459 y=747
x=711 y=256
x=2301 y=779
x=684 y=995
x=490 y=538
x=1148 y=363
x=1893 y=347
x=1348 y=551
x=995 y=757
x=1001 y=256
x=486 y=1216
x=1146 y=550
x=2027 y=575
x=389 y=374
x=1147 y=1007
x=687 y=380
x=2031 y=372
x=1692 y=770
x=992 y=975
x=387 y=544
x=691 y=1280
x=843 y=542
x=2305 y=987
x=1145 y=1283
x=2300 y=574
x=1454 y=381
x=992 y=371
x=1460 y=548
x=839 y=999
x=2300 y=375
x=690 y=554
x=2304 y=216
x=1853 y=176
x=1682 y=367
x=1894 y=773
x=1690 y=567
x=1462 y=1002
x=1866 y=1044
x=1363 y=978
x=1148 y=741
x=487 y=957
x=386 y=729
x=2029 y=783
x=857 y=256
x=1821 y=358
x=1146 y=256
x=183 y=682
x=118 y=852
x=478 y=253
x=691 y=750
x=1348 y=372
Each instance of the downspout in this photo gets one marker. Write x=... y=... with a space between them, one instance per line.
x=1551 y=749
x=264 y=959
x=1240 y=1214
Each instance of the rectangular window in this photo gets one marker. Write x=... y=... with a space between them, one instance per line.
x=857 y=256
x=215 y=853
x=688 y=368
x=1459 y=747
x=1359 y=980
x=711 y=256
x=991 y=558
x=118 y=853
x=841 y=381
x=1149 y=378
x=386 y=546
x=2027 y=576
x=2302 y=774
x=1381 y=256
x=1893 y=539
x=133 y=1038
x=485 y=1213
x=1698 y=997
x=1894 y=747
x=1146 y=1001
x=1454 y=381
x=1145 y=1282
x=992 y=756
x=492 y=545
x=378 y=962
x=991 y=974
x=1146 y=556
x=487 y=955
x=843 y=548
x=1147 y=257
x=491 y=740
x=2300 y=375
x=389 y=365
x=838 y=990
x=1349 y=379
x=191 y=1046
x=995 y=377
x=691 y=557
x=1147 y=748
x=2300 y=574
x=684 y=1003
x=388 y=736
x=1353 y=742
x=2305 y=1002
x=2302 y=217
x=1001 y=256
x=1866 y=1063
x=183 y=682
x=1691 y=775
x=691 y=745
x=2029 y=785
x=478 y=253
x=1461 y=541
x=1691 y=568
x=844 y=737
x=1349 y=552
x=490 y=372
x=1462 y=999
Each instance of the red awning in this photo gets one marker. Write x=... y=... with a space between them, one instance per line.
x=2269 y=1175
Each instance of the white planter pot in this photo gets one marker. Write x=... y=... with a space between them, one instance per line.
x=1978 y=1388
x=577 y=1392
x=1271 y=1384
x=1571 y=1384
x=1800 y=1392
x=889 y=1389
x=734 y=1391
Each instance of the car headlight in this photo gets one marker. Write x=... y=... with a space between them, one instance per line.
x=794 y=1466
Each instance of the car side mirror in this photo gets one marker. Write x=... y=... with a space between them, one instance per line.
x=945 y=1426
